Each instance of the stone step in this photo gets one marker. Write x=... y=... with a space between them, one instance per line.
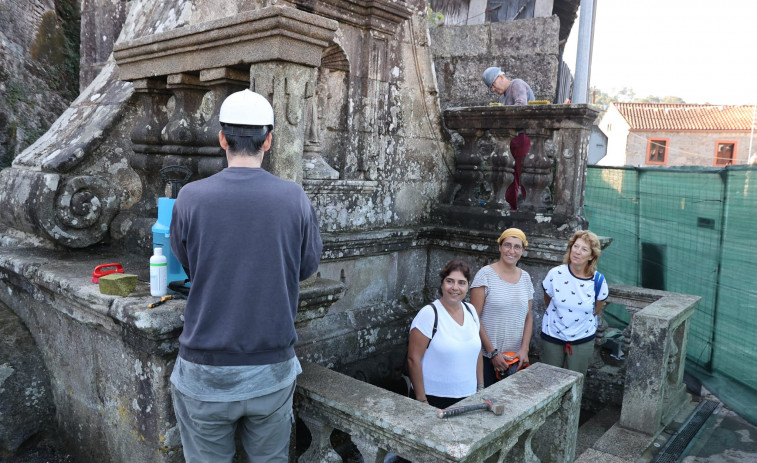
x=596 y=427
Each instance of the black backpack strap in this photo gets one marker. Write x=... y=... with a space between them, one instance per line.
x=467 y=306
x=436 y=322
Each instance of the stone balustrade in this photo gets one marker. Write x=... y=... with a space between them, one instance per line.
x=183 y=75
x=656 y=341
x=539 y=423
x=554 y=171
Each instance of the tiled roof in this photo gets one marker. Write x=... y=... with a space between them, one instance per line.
x=672 y=117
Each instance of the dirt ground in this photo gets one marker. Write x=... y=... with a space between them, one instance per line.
x=42 y=449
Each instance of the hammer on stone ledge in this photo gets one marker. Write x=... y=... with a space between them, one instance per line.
x=488 y=404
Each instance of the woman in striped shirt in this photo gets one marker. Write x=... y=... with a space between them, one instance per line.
x=503 y=295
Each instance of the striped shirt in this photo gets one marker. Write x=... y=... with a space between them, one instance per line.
x=505 y=308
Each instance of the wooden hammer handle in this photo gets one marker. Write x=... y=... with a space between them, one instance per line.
x=452 y=411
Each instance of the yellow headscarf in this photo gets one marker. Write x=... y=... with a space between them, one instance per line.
x=516 y=232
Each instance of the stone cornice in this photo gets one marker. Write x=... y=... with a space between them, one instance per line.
x=274 y=33
x=529 y=117
x=383 y=16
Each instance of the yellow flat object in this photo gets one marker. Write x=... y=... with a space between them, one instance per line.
x=539 y=102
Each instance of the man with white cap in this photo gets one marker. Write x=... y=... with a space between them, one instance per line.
x=511 y=92
x=247 y=238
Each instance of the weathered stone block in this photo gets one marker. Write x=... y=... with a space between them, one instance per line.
x=118 y=284
x=26 y=404
x=526 y=49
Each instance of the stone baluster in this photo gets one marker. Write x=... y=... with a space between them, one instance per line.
x=371 y=452
x=502 y=165
x=186 y=116
x=153 y=96
x=537 y=174
x=320 y=450
x=146 y=134
x=468 y=168
x=221 y=82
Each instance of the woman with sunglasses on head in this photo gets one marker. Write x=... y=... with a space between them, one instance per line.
x=503 y=295
x=574 y=294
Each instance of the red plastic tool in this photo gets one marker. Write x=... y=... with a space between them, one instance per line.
x=104 y=269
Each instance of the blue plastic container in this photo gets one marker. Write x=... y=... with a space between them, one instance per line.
x=160 y=238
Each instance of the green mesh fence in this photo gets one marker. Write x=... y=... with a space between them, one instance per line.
x=689 y=230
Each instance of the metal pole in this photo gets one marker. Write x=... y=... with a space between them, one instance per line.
x=583 y=54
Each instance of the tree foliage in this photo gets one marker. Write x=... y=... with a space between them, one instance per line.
x=627 y=95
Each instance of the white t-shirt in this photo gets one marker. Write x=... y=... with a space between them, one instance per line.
x=505 y=308
x=570 y=315
x=449 y=363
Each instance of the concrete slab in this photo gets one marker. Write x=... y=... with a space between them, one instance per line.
x=594 y=428
x=725 y=437
x=622 y=442
x=595 y=456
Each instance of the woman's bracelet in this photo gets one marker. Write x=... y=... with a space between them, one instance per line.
x=480 y=387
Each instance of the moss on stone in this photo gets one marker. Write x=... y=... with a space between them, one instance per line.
x=118 y=284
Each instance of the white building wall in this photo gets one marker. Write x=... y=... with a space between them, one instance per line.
x=615 y=127
x=687 y=148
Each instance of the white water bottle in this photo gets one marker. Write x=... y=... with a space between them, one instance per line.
x=158 y=273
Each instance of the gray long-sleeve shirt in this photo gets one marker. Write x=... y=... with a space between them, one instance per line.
x=248 y=238
x=518 y=93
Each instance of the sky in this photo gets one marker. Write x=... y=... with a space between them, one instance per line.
x=702 y=51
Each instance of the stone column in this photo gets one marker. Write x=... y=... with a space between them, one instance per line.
x=286 y=86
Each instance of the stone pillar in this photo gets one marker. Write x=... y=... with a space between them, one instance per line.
x=570 y=178
x=654 y=387
x=286 y=85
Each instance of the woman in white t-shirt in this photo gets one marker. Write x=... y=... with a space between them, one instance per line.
x=503 y=296
x=444 y=350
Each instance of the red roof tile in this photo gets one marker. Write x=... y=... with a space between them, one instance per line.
x=672 y=117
